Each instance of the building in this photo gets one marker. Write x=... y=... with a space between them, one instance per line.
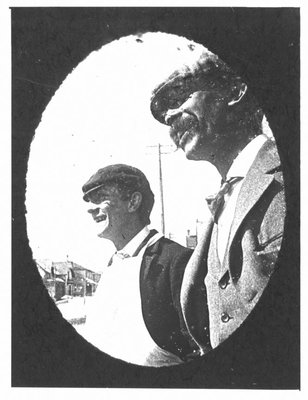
x=67 y=278
x=191 y=240
x=85 y=281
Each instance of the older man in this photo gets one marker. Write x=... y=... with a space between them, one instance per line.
x=213 y=116
x=136 y=315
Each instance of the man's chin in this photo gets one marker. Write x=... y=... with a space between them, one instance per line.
x=103 y=234
x=195 y=150
x=189 y=144
x=190 y=151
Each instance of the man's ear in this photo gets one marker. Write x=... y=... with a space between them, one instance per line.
x=134 y=202
x=238 y=93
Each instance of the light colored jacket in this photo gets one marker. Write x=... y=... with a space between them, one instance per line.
x=234 y=286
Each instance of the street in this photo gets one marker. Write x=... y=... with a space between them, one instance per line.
x=74 y=310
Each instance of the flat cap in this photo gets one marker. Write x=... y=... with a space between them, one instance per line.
x=125 y=176
x=204 y=71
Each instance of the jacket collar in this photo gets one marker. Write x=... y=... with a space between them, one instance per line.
x=135 y=242
x=258 y=179
x=156 y=248
x=243 y=161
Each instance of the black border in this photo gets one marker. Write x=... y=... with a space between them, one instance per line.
x=263 y=45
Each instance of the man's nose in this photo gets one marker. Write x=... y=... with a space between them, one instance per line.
x=172 y=114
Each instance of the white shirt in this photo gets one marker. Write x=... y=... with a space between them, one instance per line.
x=115 y=322
x=239 y=167
x=133 y=244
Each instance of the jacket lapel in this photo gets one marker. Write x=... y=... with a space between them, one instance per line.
x=150 y=254
x=258 y=179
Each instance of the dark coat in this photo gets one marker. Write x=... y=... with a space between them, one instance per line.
x=161 y=276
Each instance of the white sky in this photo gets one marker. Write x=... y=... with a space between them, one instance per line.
x=101 y=115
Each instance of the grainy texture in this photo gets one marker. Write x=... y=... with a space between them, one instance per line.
x=263 y=45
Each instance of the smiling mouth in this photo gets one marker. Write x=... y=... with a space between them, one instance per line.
x=100 y=218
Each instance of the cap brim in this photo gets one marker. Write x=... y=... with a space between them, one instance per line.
x=87 y=195
x=172 y=94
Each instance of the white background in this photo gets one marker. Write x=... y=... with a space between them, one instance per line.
x=99 y=116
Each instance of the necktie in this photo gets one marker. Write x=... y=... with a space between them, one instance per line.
x=120 y=255
x=216 y=202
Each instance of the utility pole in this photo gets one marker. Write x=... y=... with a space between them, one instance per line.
x=161 y=190
x=161 y=186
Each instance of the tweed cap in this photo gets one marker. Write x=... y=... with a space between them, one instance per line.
x=125 y=176
x=205 y=71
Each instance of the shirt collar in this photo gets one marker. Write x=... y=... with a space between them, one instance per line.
x=133 y=244
x=243 y=161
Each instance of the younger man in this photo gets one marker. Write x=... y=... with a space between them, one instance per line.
x=136 y=315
